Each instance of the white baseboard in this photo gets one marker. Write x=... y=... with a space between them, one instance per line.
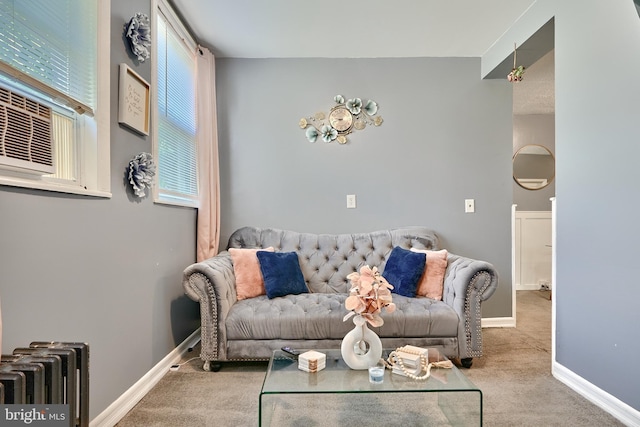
x=118 y=409
x=620 y=410
x=527 y=287
x=498 y=322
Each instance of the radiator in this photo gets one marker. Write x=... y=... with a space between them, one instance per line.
x=48 y=372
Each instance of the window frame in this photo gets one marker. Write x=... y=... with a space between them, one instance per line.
x=160 y=196
x=94 y=134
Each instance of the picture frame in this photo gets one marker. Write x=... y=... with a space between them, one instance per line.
x=133 y=100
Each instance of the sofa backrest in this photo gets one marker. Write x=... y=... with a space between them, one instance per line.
x=327 y=259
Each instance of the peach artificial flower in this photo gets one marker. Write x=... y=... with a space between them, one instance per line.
x=369 y=294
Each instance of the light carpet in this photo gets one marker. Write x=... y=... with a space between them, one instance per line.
x=514 y=375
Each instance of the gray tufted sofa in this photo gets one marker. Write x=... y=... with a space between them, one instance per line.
x=251 y=329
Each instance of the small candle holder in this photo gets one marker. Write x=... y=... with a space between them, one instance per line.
x=376 y=373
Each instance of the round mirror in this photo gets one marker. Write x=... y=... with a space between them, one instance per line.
x=534 y=167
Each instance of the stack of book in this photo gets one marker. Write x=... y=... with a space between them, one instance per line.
x=411 y=361
x=312 y=361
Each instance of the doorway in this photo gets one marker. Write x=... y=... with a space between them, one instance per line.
x=534 y=126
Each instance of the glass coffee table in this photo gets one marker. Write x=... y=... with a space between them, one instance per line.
x=290 y=396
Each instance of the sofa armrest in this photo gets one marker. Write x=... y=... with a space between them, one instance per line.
x=212 y=283
x=467 y=283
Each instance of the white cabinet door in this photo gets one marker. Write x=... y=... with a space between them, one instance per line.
x=533 y=249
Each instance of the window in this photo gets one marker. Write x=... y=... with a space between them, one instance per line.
x=43 y=60
x=175 y=146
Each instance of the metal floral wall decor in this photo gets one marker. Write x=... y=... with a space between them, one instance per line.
x=343 y=118
x=138 y=33
x=140 y=173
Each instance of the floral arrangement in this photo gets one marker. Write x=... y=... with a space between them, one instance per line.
x=141 y=173
x=369 y=294
x=516 y=74
x=362 y=114
x=138 y=31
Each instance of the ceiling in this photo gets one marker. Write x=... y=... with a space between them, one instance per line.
x=368 y=29
x=349 y=28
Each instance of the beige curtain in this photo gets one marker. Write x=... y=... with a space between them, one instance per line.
x=208 y=232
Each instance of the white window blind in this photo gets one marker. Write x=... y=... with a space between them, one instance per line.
x=176 y=111
x=57 y=52
x=54 y=42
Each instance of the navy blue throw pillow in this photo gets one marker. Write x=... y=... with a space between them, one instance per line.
x=281 y=273
x=404 y=270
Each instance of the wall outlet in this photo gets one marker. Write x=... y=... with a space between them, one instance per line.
x=469 y=206
x=351 y=201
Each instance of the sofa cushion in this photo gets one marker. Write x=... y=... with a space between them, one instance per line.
x=319 y=316
x=281 y=273
x=249 y=281
x=432 y=280
x=403 y=270
x=327 y=259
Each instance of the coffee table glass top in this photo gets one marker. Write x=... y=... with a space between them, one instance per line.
x=283 y=376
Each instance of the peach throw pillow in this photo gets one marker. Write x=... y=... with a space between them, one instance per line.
x=249 y=281
x=432 y=281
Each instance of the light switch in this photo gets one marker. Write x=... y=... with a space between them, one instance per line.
x=469 y=206
x=351 y=201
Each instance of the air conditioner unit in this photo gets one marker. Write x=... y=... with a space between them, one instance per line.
x=26 y=139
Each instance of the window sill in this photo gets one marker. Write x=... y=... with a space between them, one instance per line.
x=183 y=204
x=51 y=186
x=175 y=201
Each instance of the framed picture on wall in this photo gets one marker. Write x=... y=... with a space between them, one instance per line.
x=133 y=100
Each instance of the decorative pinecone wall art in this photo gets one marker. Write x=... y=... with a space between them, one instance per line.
x=138 y=32
x=141 y=171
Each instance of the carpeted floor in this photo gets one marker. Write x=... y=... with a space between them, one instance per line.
x=514 y=375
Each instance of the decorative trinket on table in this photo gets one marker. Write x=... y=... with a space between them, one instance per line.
x=369 y=294
x=343 y=119
x=411 y=361
x=312 y=361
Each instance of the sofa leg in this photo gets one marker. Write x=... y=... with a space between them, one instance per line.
x=466 y=362
x=208 y=365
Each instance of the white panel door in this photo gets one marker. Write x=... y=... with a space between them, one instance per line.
x=533 y=249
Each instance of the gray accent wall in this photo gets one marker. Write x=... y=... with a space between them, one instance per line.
x=598 y=147
x=597 y=176
x=446 y=137
x=102 y=271
x=538 y=129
